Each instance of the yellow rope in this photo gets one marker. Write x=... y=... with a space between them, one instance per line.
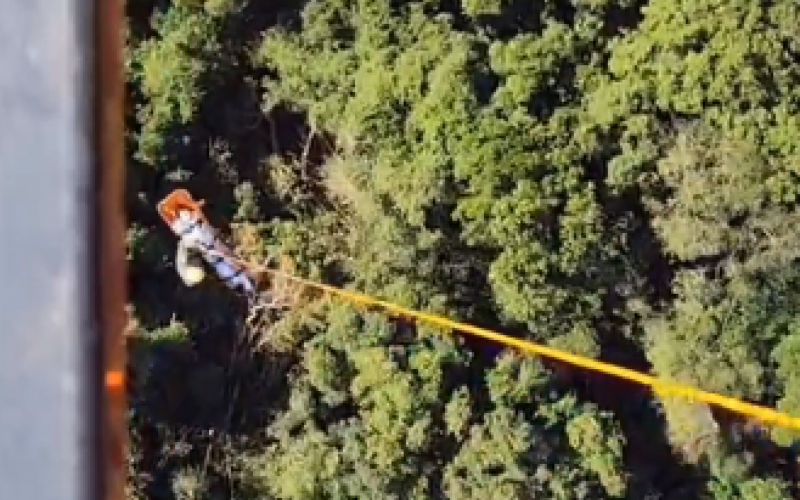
x=661 y=387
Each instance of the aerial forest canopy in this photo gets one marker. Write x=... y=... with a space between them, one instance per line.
x=615 y=178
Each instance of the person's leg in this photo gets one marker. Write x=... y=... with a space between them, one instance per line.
x=234 y=277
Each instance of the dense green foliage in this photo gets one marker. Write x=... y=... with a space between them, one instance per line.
x=617 y=178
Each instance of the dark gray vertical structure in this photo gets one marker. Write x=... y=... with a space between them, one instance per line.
x=53 y=410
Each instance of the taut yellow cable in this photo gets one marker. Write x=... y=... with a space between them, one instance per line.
x=663 y=388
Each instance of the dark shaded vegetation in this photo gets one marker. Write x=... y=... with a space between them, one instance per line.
x=617 y=178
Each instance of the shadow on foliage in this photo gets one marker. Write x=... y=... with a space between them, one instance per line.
x=520 y=16
x=751 y=438
x=195 y=400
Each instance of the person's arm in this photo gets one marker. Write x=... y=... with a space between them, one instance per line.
x=190 y=273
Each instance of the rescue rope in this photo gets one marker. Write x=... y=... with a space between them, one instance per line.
x=661 y=387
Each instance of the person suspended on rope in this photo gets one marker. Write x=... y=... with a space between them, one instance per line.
x=197 y=242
